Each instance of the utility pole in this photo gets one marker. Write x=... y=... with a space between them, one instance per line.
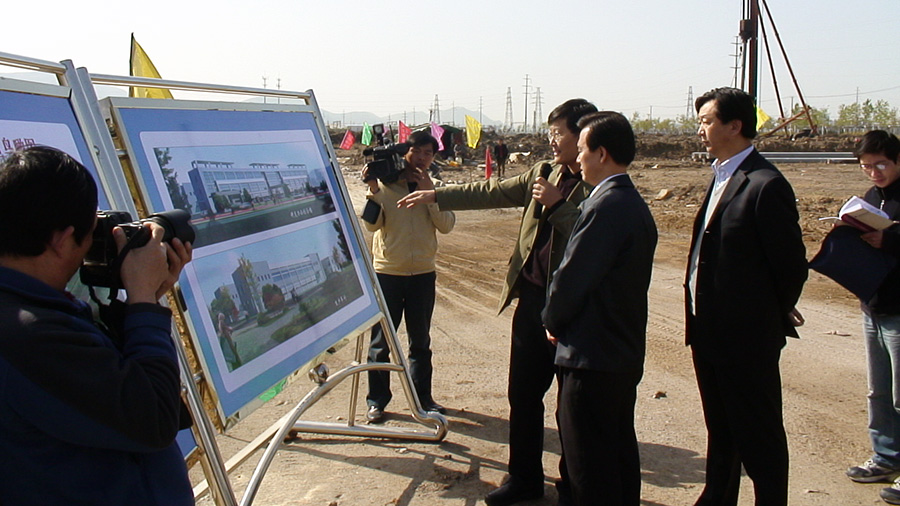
x=508 y=117
x=436 y=111
x=264 y=78
x=689 y=111
x=480 y=107
x=538 y=110
x=525 y=119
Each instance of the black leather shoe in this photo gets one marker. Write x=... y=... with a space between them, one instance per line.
x=563 y=494
x=512 y=492
x=375 y=414
x=433 y=406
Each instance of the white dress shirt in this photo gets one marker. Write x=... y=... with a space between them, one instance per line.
x=723 y=172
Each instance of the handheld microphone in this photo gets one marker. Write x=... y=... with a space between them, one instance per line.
x=546 y=169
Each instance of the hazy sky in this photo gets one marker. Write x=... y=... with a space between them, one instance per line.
x=391 y=57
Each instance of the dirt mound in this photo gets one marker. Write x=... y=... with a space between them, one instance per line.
x=649 y=146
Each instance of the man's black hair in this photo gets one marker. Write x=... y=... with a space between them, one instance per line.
x=612 y=131
x=878 y=142
x=43 y=190
x=732 y=104
x=571 y=110
x=421 y=138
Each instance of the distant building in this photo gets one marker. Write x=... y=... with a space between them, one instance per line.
x=259 y=180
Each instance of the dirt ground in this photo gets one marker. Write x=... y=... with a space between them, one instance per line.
x=823 y=373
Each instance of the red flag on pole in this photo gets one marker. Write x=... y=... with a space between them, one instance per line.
x=405 y=132
x=348 y=141
x=488 y=162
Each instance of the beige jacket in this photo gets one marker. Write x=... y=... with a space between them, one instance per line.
x=405 y=242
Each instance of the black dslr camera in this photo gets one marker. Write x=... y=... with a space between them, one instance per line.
x=387 y=162
x=100 y=267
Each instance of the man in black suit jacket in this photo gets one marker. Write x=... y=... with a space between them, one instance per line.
x=597 y=315
x=745 y=273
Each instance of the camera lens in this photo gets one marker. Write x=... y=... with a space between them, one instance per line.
x=176 y=224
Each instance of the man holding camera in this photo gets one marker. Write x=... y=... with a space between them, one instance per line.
x=403 y=250
x=84 y=418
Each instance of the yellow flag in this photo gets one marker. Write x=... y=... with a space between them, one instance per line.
x=761 y=117
x=473 y=131
x=141 y=66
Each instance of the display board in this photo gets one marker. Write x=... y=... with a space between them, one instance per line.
x=278 y=274
x=40 y=114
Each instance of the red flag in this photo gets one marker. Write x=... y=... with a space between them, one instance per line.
x=488 y=162
x=348 y=141
x=405 y=131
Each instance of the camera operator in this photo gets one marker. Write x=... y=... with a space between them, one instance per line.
x=403 y=250
x=83 y=419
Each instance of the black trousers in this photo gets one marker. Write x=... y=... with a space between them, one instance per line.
x=596 y=425
x=743 y=410
x=531 y=373
x=410 y=298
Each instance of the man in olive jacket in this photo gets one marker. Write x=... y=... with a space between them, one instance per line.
x=549 y=194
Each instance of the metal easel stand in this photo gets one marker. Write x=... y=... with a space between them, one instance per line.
x=292 y=424
x=205 y=436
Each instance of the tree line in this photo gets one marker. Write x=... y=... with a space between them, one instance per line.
x=850 y=118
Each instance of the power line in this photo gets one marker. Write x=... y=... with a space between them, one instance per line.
x=856 y=93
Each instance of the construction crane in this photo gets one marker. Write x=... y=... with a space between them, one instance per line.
x=750 y=27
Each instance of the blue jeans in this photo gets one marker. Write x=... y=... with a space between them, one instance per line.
x=883 y=355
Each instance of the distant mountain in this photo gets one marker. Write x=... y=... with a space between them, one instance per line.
x=448 y=117
x=48 y=78
x=451 y=116
x=357 y=118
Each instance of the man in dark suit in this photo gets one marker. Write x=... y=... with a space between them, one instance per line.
x=597 y=315
x=745 y=273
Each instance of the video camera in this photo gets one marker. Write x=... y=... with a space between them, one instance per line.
x=100 y=266
x=387 y=162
